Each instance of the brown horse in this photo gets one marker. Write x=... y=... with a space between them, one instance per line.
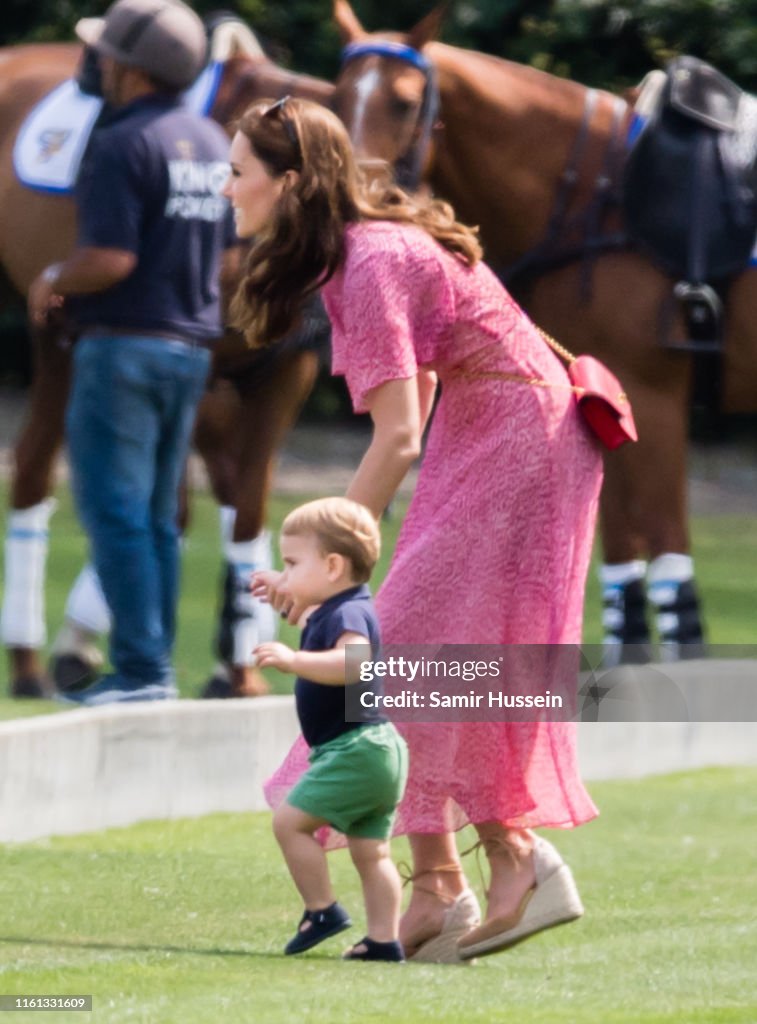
x=498 y=147
x=253 y=399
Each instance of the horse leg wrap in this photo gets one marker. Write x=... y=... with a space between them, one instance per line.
x=22 y=623
x=245 y=620
x=673 y=593
x=86 y=606
x=626 y=632
x=76 y=659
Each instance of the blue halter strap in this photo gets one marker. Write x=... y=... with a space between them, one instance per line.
x=408 y=168
x=387 y=49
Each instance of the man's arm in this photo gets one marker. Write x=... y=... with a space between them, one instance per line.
x=86 y=270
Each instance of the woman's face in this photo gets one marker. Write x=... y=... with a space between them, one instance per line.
x=251 y=188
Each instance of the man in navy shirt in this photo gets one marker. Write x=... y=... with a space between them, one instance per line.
x=142 y=286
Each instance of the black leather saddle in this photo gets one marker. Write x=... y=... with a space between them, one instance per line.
x=689 y=186
x=690 y=178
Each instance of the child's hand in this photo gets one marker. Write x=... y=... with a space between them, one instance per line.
x=275 y=655
x=264 y=584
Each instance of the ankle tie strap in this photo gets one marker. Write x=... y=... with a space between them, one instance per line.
x=407 y=876
x=493 y=846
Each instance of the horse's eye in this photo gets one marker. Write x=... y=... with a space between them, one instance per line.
x=402 y=107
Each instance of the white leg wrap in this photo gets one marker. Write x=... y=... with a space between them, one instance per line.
x=86 y=605
x=220 y=671
x=226 y=518
x=622 y=572
x=256 y=621
x=670 y=569
x=666 y=574
x=246 y=639
x=22 y=623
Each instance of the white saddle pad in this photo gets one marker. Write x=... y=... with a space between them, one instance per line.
x=52 y=140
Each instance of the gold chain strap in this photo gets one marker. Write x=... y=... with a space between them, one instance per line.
x=556 y=346
x=537 y=382
x=570 y=359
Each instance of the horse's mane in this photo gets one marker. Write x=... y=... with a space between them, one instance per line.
x=491 y=75
x=232 y=38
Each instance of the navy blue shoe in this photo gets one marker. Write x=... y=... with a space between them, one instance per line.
x=114 y=689
x=322 y=925
x=369 y=949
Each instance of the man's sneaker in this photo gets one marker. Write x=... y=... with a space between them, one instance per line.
x=321 y=924
x=113 y=689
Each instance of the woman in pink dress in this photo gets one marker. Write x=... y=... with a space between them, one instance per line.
x=495 y=546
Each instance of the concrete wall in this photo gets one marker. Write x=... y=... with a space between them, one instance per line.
x=90 y=769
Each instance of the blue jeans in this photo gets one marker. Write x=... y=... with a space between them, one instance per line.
x=128 y=426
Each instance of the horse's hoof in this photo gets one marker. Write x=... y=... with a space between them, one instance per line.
x=217 y=688
x=32 y=688
x=248 y=682
x=244 y=683
x=70 y=672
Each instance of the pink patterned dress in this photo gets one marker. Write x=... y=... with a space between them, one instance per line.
x=495 y=546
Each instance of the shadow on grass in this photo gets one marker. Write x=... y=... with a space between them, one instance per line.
x=126 y=947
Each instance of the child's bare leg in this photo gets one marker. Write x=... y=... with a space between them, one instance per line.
x=382 y=889
x=294 y=829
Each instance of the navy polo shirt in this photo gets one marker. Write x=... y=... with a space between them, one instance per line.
x=150 y=184
x=321 y=708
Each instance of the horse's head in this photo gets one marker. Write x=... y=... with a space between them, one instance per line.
x=386 y=93
x=246 y=79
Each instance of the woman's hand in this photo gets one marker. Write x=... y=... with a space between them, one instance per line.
x=275 y=655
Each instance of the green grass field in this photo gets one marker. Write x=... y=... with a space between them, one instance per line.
x=185 y=921
x=725 y=548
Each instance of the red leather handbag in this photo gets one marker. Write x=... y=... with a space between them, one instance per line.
x=602 y=402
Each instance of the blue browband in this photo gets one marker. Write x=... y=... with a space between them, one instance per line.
x=387 y=49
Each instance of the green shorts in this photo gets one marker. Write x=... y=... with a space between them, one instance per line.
x=355 y=781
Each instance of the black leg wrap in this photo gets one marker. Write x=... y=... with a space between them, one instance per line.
x=679 y=624
x=224 y=640
x=627 y=637
x=218 y=687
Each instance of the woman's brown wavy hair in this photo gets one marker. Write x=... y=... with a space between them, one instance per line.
x=303 y=245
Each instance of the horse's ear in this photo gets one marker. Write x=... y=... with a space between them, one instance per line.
x=428 y=28
x=347 y=22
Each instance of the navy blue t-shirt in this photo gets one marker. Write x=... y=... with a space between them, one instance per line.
x=321 y=708
x=150 y=184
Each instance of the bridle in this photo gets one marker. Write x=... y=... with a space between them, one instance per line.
x=409 y=166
